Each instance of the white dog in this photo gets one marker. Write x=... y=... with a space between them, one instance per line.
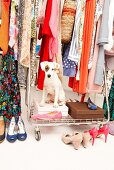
x=53 y=90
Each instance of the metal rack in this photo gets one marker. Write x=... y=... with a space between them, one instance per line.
x=64 y=121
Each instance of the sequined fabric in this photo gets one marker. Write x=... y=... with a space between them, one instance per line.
x=33 y=67
x=10 y=100
x=111 y=102
x=33 y=63
x=21 y=69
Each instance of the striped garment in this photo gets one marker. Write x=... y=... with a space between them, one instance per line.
x=76 y=43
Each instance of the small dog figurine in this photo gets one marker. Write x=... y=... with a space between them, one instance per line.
x=53 y=90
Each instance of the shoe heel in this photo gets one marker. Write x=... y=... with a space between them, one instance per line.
x=106 y=135
x=76 y=145
x=93 y=132
x=86 y=139
x=104 y=131
x=76 y=140
x=93 y=140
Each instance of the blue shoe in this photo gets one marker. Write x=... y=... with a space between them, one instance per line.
x=91 y=105
x=12 y=134
x=21 y=135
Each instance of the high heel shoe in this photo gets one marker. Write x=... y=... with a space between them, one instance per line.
x=97 y=133
x=12 y=133
x=103 y=130
x=66 y=138
x=77 y=139
x=21 y=135
x=86 y=139
x=91 y=105
x=93 y=132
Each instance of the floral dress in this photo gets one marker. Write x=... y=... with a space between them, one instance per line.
x=10 y=100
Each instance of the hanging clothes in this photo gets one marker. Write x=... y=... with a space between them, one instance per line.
x=4 y=27
x=111 y=102
x=69 y=66
x=26 y=35
x=109 y=65
x=76 y=43
x=49 y=34
x=58 y=57
x=80 y=86
x=109 y=78
x=98 y=13
x=41 y=16
x=91 y=86
x=33 y=62
x=102 y=40
x=110 y=27
x=13 y=31
x=20 y=16
x=10 y=99
x=45 y=34
x=0 y=12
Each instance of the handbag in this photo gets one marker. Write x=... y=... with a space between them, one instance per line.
x=67 y=20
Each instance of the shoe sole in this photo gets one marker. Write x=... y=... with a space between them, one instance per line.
x=22 y=139
x=11 y=141
x=2 y=141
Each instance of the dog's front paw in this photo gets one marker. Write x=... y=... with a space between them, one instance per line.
x=55 y=105
x=42 y=104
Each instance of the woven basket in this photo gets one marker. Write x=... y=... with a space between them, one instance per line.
x=67 y=20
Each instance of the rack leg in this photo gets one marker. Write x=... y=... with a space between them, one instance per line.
x=37 y=133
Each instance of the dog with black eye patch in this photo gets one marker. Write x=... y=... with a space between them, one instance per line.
x=53 y=89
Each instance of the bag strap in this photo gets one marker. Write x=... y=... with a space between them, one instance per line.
x=0 y=11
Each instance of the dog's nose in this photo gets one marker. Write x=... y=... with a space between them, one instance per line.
x=48 y=75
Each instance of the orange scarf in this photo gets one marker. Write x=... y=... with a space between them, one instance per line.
x=4 y=27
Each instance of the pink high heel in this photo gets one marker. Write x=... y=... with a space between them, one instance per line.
x=104 y=130
x=93 y=132
x=97 y=133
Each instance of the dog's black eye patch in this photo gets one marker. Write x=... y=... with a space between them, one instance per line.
x=47 y=68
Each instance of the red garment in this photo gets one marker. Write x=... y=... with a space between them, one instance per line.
x=45 y=34
x=80 y=86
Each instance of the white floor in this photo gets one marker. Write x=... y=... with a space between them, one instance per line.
x=50 y=153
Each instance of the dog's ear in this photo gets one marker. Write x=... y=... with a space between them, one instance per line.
x=43 y=64
x=56 y=66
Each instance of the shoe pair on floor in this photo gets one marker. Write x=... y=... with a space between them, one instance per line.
x=84 y=138
x=76 y=139
x=16 y=130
